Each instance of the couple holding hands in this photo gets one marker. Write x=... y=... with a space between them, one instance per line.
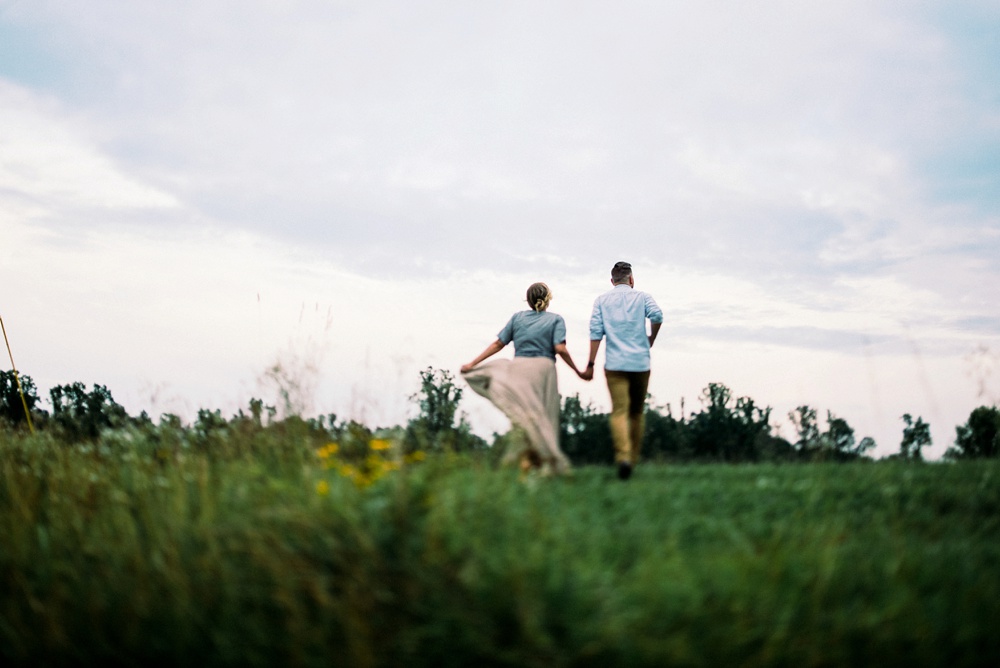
x=526 y=390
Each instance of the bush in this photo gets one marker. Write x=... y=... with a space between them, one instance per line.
x=82 y=415
x=979 y=437
x=11 y=404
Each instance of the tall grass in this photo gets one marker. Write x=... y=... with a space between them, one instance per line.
x=256 y=551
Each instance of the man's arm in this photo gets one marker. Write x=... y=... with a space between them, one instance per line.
x=596 y=334
x=655 y=315
x=594 y=347
x=654 y=328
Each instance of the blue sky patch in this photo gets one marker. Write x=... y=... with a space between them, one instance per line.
x=967 y=173
x=28 y=60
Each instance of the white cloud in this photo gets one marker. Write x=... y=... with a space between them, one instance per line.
x=47 y=155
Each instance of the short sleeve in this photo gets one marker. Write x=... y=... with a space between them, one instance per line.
x=558 y=331
x=506 y=334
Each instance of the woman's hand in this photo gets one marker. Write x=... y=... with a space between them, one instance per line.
x=466 y=368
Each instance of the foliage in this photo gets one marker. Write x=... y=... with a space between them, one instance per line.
x=438 y=399
x=667 y=438
x=979 y=436
x=365 y=461
x=82 y=415
x=434 y=429
x=915 y=436
x=837 y=443
x=839 y=435
x=728 y=429
x=11 y=405
x=260 y=552
x=806 y=428
x=584 y=434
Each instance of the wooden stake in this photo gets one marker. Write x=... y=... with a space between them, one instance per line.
x=17 y=379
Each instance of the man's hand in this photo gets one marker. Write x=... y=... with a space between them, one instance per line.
x=588 y=374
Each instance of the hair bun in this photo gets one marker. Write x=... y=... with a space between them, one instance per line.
x=538 y=296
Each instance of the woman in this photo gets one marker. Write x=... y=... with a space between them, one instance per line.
x=525 y=388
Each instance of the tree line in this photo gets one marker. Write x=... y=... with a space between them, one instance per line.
x=728 y=428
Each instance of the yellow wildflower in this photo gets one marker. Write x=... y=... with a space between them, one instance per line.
x=379 y=444
x=328 y=450
x=322 y=488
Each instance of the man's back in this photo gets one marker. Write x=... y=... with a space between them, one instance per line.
x=620 y=316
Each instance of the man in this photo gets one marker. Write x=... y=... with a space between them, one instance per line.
x=620 y=316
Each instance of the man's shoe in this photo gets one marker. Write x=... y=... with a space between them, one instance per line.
x=624 y=470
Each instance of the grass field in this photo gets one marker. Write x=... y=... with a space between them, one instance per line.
x=281 y=550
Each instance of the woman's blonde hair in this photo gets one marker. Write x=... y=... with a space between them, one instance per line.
x=539 y=296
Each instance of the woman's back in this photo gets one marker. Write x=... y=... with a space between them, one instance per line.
x=534 y=333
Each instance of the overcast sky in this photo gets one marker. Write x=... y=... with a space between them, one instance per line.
x=194 y=192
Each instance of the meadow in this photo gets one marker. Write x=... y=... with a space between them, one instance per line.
x=279 y=547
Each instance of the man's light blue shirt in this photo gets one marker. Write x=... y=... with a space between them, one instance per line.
x=620 y=316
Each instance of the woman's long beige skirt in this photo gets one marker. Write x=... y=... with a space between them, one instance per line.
x=527 y=391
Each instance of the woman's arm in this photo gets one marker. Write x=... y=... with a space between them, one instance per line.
x=561 y=350
x=491 y=350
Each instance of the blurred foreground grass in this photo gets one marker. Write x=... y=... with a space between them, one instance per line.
x=272 y=551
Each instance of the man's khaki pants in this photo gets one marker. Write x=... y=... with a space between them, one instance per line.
x=628 y=420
